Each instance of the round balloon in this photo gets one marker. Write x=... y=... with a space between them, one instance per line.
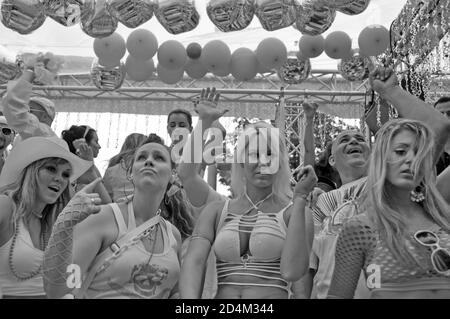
x=107 y=79
x=294 y=71
x=138 y=70
x=225 y=71
x=67 y=13
x=177 y=16
x=354 y=7
x=195 y=69
x=275 y=14
x=110 y=49
x=216 y=55
x=131 y=13
x=23 y=16
x=355 y=68
x=172 y=55
x=313 y=19
x=338 y=45
x=231 y=15
x=169 y=76
x=244 y=64
x=373 y=40
x=142 y=44
x=194 y=50
x=271 y=53
x=96 y=20
x=311 y=46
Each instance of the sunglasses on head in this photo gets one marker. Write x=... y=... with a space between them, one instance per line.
x=7 y=131
x=440 y=257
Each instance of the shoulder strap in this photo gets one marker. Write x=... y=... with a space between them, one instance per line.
x=114 y=248
x=119 y=219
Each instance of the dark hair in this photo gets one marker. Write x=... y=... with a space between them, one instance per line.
x=181 y=111
x=442 y=99
x=76 y=132
x=324 y=171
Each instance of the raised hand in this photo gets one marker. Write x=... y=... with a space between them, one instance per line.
x=310 y=109
x=83 y=203
x=207 y=105
x=307 y=179
x=83 y=150
x=382 y=79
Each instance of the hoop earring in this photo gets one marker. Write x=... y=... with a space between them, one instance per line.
x=418 y=194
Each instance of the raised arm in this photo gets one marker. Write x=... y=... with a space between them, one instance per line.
x=309 y=110
x=384 y=82
x=194 y=265
x=297 y=248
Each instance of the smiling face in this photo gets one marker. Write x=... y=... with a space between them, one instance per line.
x=400 y=156
x=152 y=166
x=52 y=179
x=349 y=150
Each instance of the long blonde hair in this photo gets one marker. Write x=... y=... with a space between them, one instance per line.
x=23 y=193
x=390 y=222
x=281 y=186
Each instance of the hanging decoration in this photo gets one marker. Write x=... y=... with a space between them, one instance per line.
x=172 y=55
x=353 y=7
x=194 y=50
x=142 y=44
x=271 y=53
x=110 y=50
x=169 y=76
x=216 y=57
x=96 y=21
x=294 y=70
x=373 y=40
x=311 y=46
x=9 y=65
x=138 y=70
x=107 y=79
x=23 y=16
x=131 y=13
x=244 y=64
x=314 y=19
x=231 y=15
x=338 y=45
x=177 y=16
x=195 y=69
x=355 y=68
x=65 y=12
x=275 y=14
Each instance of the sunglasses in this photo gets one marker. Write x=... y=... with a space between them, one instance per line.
x=440 y=257
x=7 y=131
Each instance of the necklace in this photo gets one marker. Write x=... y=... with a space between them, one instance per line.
x=11 y=262
x=255 y=206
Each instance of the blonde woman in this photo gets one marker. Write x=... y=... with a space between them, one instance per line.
x=402 y=239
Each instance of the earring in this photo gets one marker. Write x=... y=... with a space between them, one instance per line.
x=130 y=177
x=166 y=199
x=418 y=194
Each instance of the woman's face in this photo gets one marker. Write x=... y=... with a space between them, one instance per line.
x=95 y=146
x=52 y=179
x=152 y=165
x=399 y=158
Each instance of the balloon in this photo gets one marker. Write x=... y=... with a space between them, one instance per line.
x=131 y=13
x=172 y=55
x=107 y=79
x=9 y=66
x=216 y=56
x=110 y=49
x=231 y=15
x=294 y=71
x=225 y=71
x=96 y=20
x=313 y=19
x=260 y=68
x=373 y=40
x=195 y=69
x=194 y=50
x=142 y=44
x=311 y=46
x=338 y=45
x=23 y=16
x=354 y=7
x=271 y=53
x=169 y=76
x=275 y=14
x=177 y=16
x=67 y=12
x=244 y=64
x=354 y=69
x=138 y=70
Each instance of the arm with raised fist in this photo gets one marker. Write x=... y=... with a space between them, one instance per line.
x=66 y=245
x=309 y=109
x=299 y=237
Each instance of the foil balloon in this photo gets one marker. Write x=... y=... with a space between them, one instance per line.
x=96 y=20
x=131 y=13
x=275 y=14
x=9 y=66
x=294 y=70
x=65 y=12
x=23 y=16
x=354 y=7
x=355 y=68
x=314 y=19
x=107 y=79
x=177 y=16
x=231 y=15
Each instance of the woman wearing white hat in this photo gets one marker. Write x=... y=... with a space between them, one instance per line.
x=33 y=191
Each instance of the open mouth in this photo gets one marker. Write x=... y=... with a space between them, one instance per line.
x=354 y=150
x=54 y=189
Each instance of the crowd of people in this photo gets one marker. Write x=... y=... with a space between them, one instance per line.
x=366 y=219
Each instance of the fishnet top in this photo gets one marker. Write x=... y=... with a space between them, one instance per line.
x=359 y=246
